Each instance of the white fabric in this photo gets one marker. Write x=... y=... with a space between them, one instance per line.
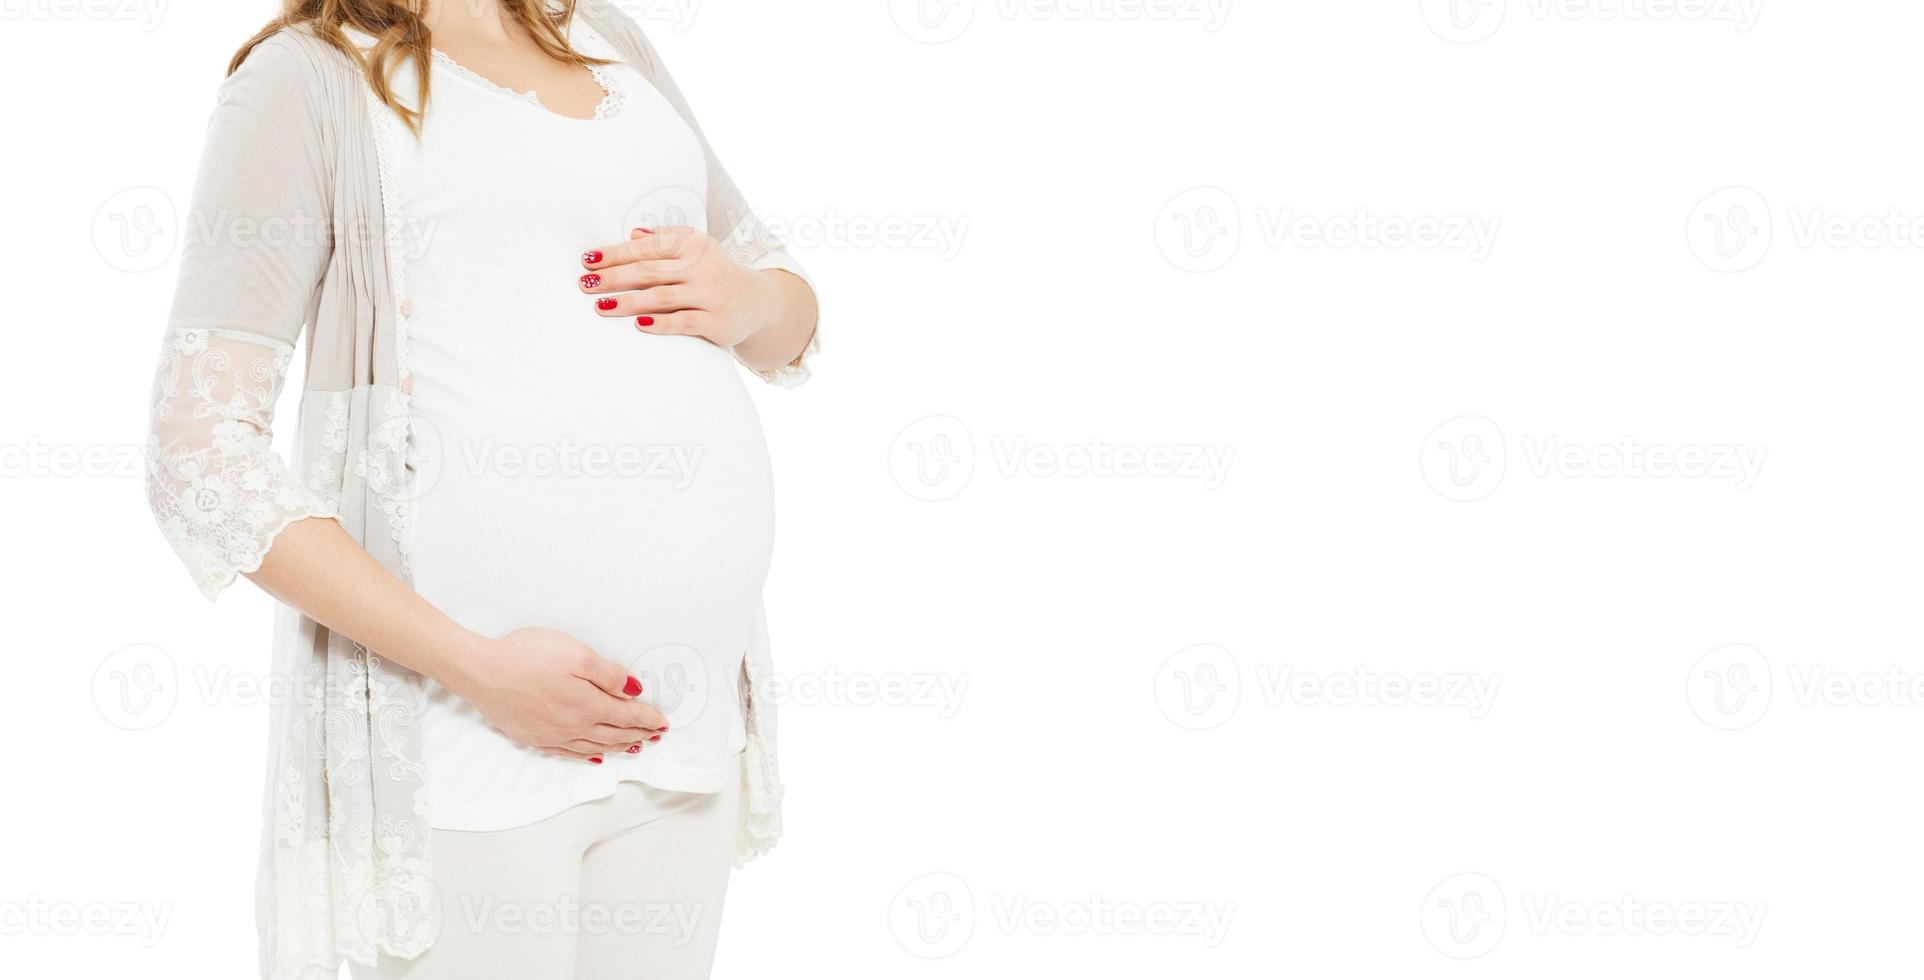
x=296 y=229
x=582 y=475
x=628 y=886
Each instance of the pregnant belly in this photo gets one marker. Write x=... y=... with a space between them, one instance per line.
x=614 y=486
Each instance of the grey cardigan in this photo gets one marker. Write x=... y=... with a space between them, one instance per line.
x=293 y=223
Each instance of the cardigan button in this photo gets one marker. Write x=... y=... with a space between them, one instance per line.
x=407 y=308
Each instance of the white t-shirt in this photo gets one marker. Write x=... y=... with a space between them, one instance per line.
x=578 y=474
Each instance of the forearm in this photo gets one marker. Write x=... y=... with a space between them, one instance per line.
x=317 y=568
x=788 y=326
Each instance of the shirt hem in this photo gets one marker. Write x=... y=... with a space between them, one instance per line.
x=673 y=779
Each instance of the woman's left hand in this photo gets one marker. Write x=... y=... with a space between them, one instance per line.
x=677 y=281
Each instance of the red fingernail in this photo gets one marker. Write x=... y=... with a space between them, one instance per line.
x=646 y=321
x=591 y=257
x=595 y=759
x=646 y=231
x=606 y=303
x=632 y=688
x=590 y=280
x=634 y=749
x=654 y=738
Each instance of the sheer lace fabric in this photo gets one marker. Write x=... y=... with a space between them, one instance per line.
x=219 y=490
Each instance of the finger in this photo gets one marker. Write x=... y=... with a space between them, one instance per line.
x=594 y=757
x=660 y=299
x=611 y=677
x=610 y=735
x=635 y=714
x=693 y=323
x=659 y=244
x=634 y=275
x=584 y=747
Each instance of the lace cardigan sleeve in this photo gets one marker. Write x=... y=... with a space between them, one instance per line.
x=257 y=244
x=731 y=221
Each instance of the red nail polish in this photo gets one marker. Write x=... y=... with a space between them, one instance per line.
x=606 y=303
x=590 y=280
x=646 y=321
x=632 y=688
x=590 y=258
x=634 y=750
x=646 y=231
x=595 y=759
x=654 y=738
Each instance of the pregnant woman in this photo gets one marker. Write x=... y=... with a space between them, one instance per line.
x=521 y=545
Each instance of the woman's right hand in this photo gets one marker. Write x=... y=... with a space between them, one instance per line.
x=546 y=689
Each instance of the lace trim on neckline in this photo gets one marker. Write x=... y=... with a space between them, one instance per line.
x=613 y=98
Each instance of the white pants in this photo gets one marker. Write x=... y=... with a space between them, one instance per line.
x=629 y=887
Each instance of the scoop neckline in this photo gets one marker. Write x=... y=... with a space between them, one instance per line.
x=612 y=97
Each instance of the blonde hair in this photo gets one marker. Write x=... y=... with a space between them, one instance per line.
x=400 y=33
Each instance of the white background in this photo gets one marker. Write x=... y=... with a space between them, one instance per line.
x=1509 y=462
